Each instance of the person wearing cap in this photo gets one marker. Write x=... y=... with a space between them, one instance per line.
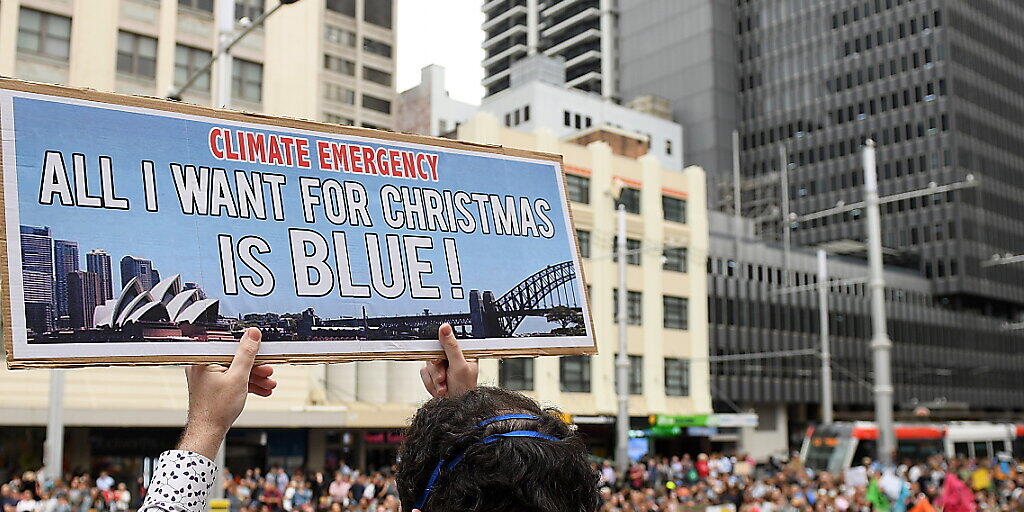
x=468 y=449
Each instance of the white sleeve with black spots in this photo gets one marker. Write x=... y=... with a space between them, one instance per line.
x=181 y=483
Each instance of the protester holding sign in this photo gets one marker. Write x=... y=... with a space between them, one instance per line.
x=468 y=449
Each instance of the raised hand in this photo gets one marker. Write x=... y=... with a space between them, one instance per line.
x=216 y=395
x=453 y=375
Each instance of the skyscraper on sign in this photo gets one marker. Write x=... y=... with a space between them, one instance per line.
x=37 y=277
x=140 y=268
x=98 y=262
x=83 y=290
x=65 y=261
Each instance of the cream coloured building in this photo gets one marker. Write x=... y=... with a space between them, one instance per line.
x=667 y=305
x=327 y=60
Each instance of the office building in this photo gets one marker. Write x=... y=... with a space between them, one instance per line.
x=666 y=309
x=538 y=98
x=582 y=32
x=427 y=109
x=960 y=365
x=83 y=296
x=98 y=262
x=928 y=80
x=65 y=261
x=326 y=60
x=132 y=267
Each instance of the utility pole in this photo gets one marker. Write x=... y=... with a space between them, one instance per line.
x=53 y=449
x=224 y=18
x=737 y=215
x=622 y=359
x=881 y=345
x=786 y=240
x=826 y=348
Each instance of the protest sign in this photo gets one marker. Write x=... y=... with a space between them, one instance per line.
x=143 y=231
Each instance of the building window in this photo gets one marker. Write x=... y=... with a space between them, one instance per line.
x=247 y=80
x=674 y=209
x=574 y=374
x=136 y=54
x=377 y=76
x=674 y=259
x=331 y=117
x=339 y=65
x=188 y=60
x=634 y=307
x=630 y=197
x=340 y=36
x=375 y=103
x=677 y=377
x=378 y=12
x=346 y=7
x=339 y=93
x=377 y=47
x=578 y=188
x=526 y=113
x=583 y=241
x=633 y=255
x=251 y=9
x=675 y=314
x=668 y=147
x=516 y=374
x=202 y=5
x=44 y=33
x=636 y=375
x=566 y=118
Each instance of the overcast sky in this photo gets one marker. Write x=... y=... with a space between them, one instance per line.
x=445 y=32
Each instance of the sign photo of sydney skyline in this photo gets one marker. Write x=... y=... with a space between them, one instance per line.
x=78 y=295
x=124 y=231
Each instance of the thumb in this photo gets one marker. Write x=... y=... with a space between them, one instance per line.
x=451 y=347
x=245 y=355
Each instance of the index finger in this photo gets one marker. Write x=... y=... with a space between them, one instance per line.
x=452 y=351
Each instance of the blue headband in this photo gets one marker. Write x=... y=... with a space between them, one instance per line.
x=436 y=474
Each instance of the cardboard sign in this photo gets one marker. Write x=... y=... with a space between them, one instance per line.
x=142 y=231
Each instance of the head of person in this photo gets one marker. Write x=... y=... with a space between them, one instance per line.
x=493 y=450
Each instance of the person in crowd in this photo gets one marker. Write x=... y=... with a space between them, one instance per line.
x=104 y=482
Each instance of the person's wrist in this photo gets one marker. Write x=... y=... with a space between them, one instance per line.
x=203 y=438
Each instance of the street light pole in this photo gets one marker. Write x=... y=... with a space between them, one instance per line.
x=786 y=235
x=224 y=17
x=622 y=359
x=826 y=348
x=881 y=345
x=54 y=445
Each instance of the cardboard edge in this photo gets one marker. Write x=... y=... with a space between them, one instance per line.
x=283 y=122
x=141 y=361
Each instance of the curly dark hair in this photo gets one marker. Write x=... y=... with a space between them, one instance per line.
x=517 y=474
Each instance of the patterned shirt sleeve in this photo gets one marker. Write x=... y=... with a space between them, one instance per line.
x=181 y=483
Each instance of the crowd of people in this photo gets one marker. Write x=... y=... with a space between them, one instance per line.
x=34 y=492
x=720 y=482
x=711 y=483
